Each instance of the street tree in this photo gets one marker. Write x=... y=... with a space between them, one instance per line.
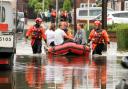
x=99 y=3
x=38 y=8
x=32 y=3
x=37 y=5
x=47 y=3
x=67 y=5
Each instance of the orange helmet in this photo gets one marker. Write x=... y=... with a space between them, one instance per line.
x=97 y=23
x=38 y=20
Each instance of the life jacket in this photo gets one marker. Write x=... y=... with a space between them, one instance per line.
x=36 y=33
x=53 y=14
x=97 y=36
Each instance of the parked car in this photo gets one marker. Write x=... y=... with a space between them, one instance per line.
x=83 y=15
x=116 y=17
x=20 y=21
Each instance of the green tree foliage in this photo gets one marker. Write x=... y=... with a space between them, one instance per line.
x=67 y=5
x=32 y=3
x=47 y=3
x=99 y=3
x=38 y=5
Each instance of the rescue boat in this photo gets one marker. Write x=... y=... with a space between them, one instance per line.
x=70 y=47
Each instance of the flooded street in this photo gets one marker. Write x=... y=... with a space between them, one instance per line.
x=51 y=72
x=62 y=72
x=26 y=26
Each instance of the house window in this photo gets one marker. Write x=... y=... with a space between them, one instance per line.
x=2 y=14
x=126 y=5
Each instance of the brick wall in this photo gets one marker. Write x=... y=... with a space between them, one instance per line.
x=83 y=1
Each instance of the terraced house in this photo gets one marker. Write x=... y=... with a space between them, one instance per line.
x=22 y=5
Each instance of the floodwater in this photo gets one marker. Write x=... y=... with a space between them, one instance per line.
x=63 y=72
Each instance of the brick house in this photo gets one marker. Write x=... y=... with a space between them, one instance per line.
x=78 y=2
x=126 y=5
x=22 y=5
x=118 y=4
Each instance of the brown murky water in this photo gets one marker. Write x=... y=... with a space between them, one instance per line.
x=63 y=72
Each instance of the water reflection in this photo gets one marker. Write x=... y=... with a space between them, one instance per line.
x=34 y=74
x=63 y=72
x=6 y=80
x=76 y=72
x=60 y=72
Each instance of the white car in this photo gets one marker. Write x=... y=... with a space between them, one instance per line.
x=84 y=14
x=20 y=21
x=117 y=17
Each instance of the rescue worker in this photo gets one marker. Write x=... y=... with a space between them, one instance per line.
x=99 y=38
x=36 y=33
x=53 y=16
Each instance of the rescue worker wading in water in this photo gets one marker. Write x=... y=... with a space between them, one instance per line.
x=99 y=38
x=36 y=33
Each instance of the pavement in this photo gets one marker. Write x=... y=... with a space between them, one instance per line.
x=112 y=50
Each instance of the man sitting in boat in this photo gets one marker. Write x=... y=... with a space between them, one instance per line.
x=80 y=36
x=99 y=38
x=60 y=35
x=66 y=30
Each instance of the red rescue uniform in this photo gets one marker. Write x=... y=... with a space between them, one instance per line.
x=36 y=35
x=98 y=37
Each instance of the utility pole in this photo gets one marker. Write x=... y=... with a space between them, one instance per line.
x=104 y=17
x=75 y=17
x=104 y=14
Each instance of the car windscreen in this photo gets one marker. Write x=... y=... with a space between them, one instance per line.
x=91 y=12
x=121 y=15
